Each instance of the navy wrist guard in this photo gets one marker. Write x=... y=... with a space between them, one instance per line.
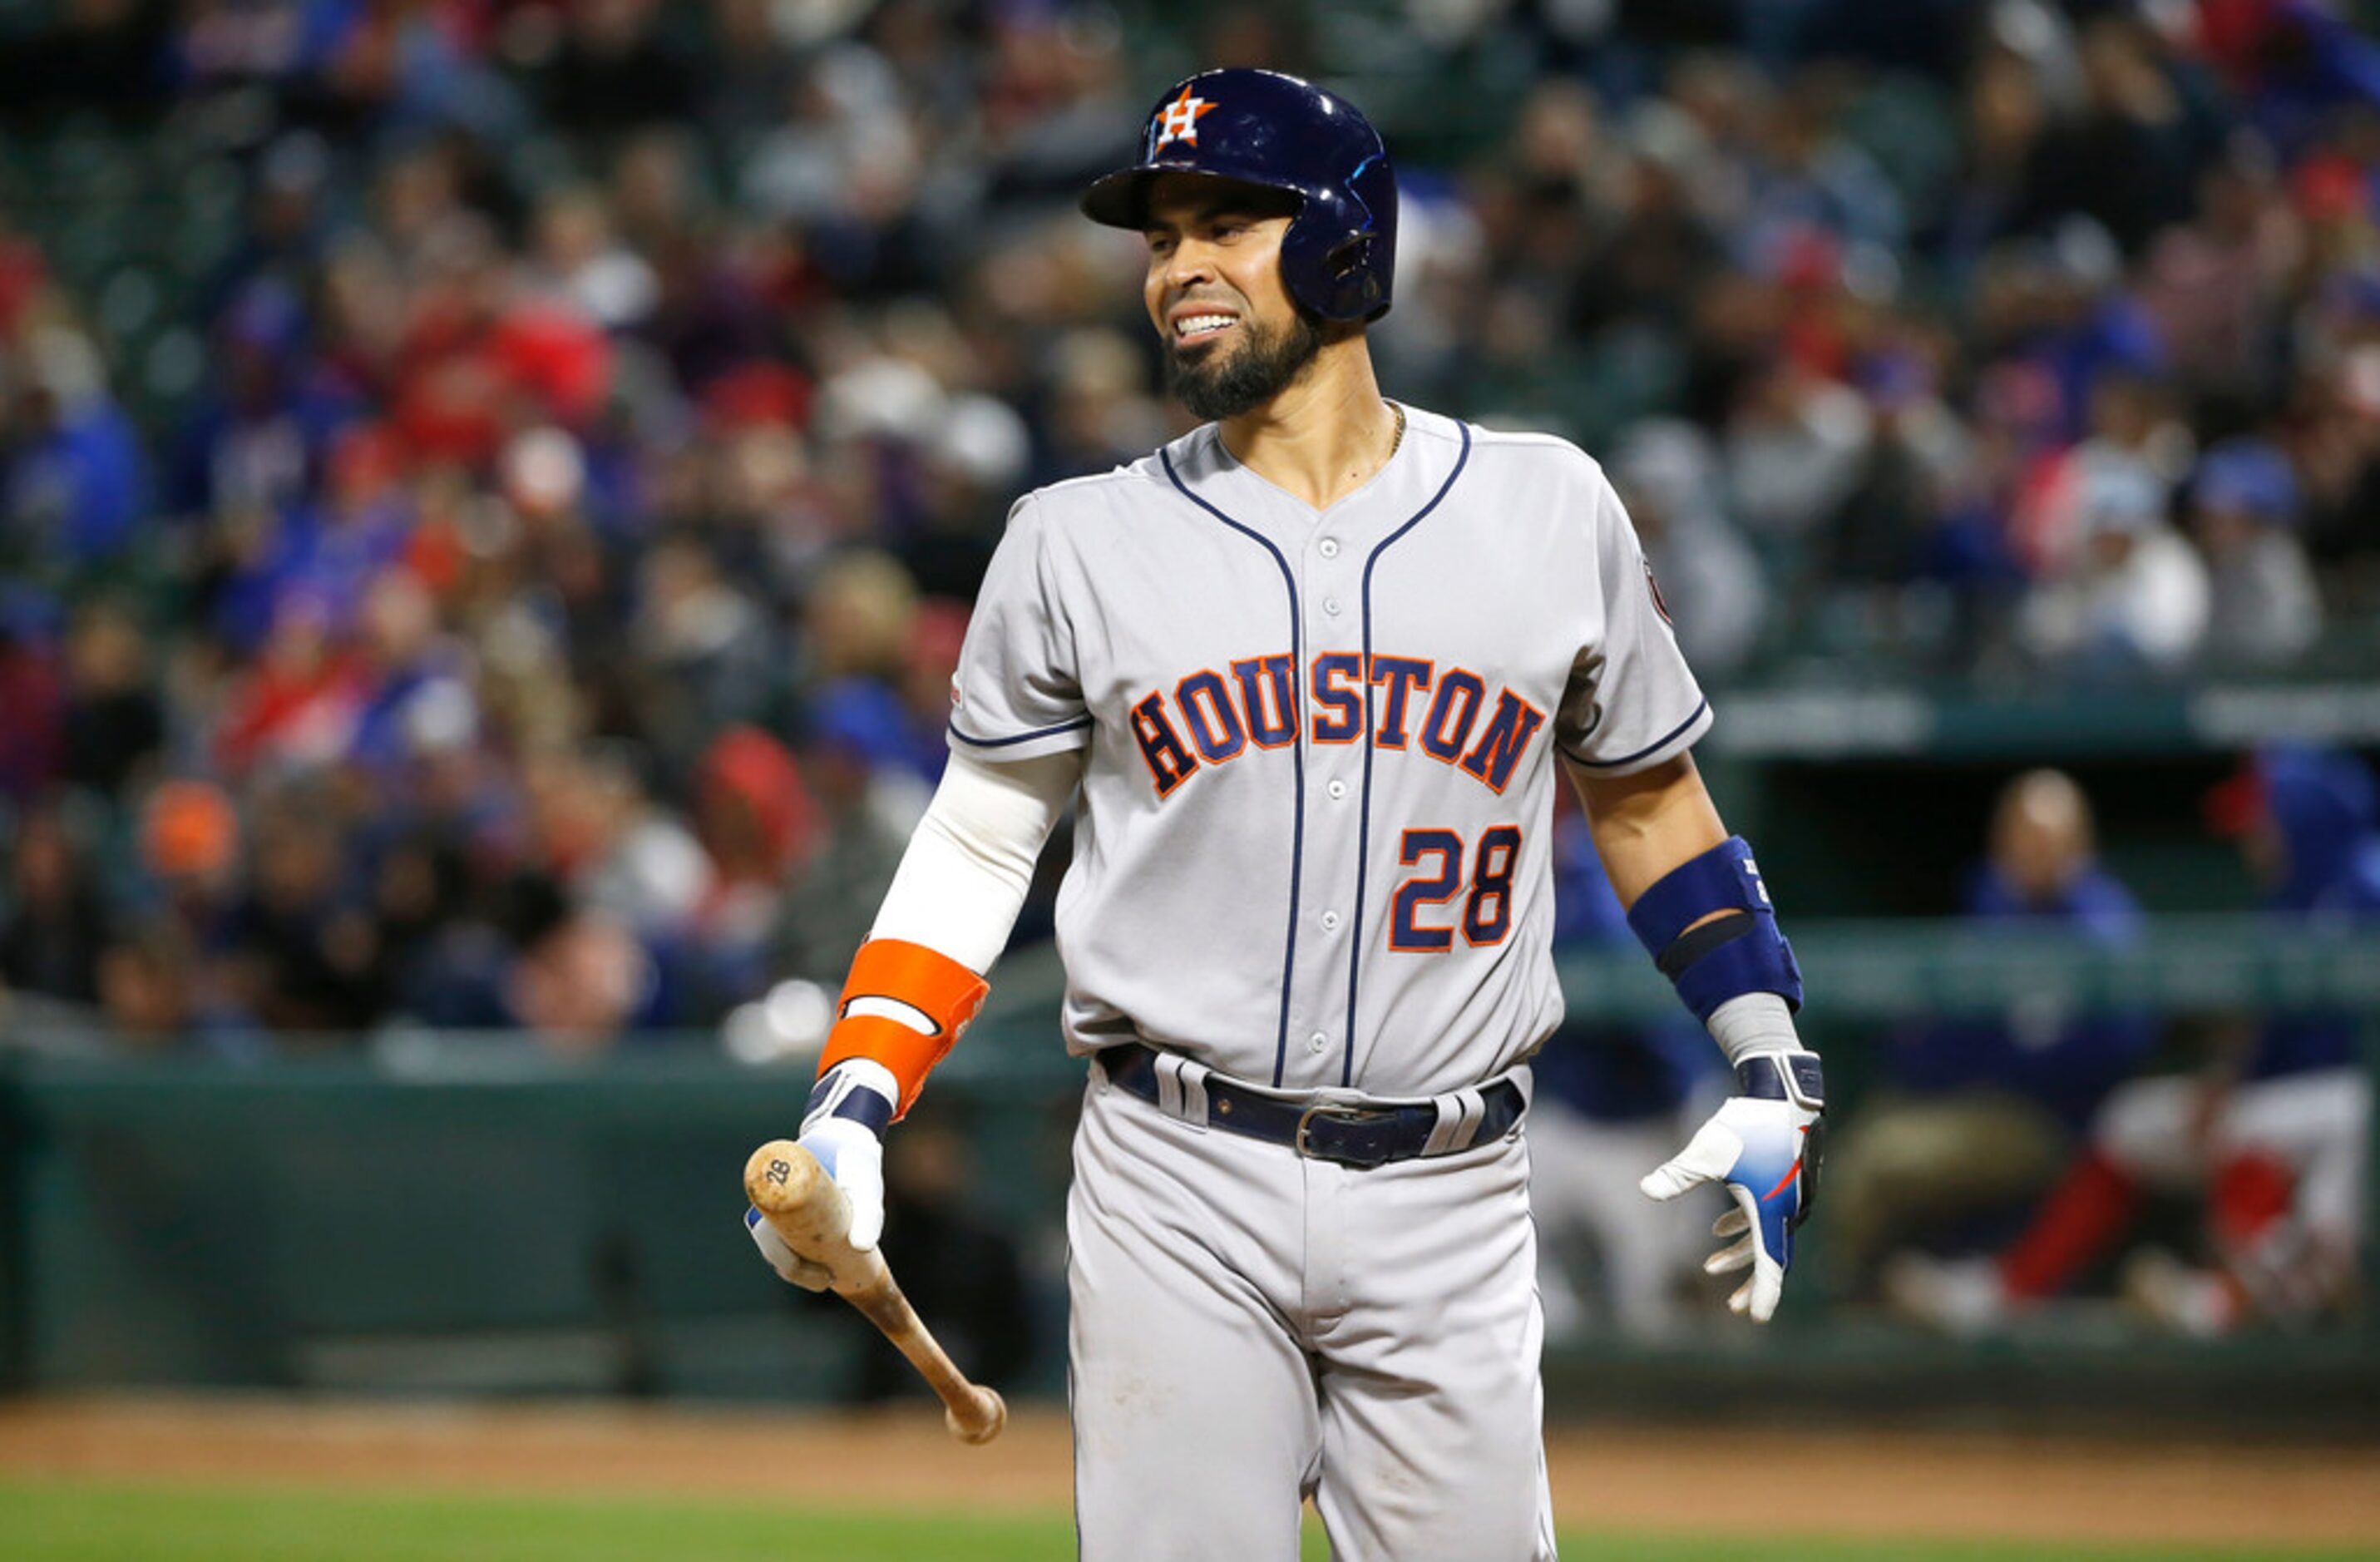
x=1737 y=951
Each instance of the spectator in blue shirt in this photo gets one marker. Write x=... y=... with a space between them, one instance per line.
x=1978 y=1116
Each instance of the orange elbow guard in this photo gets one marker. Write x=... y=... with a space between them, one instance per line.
x=889 y=977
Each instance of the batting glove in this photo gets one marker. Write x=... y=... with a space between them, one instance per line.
x=848 y=1110
x=1763 y=1146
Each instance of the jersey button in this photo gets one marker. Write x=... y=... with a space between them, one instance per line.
x=1330 y=922
x=1328 y=547
x=1337 y=789
x=1317 y=1042
x=1331 y=606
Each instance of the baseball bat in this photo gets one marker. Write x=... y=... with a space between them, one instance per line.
x=785 y=1183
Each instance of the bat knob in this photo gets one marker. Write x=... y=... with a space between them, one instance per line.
x=990 y=1414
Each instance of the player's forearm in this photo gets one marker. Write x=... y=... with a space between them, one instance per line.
x=918 y=981
x=964 y=875
x=1646 y=825
x=1660 y=827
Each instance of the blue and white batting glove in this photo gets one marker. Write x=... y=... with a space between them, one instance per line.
x=849 y=1109
x=1763 y=1146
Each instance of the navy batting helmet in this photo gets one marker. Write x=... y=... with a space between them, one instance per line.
x=1261 y=128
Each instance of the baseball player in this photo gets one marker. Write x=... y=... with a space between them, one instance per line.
x=1311 y=671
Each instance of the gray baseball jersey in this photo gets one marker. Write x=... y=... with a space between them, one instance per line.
x=1312 y=847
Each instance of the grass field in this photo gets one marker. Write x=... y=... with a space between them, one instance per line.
x=74 y=1520
x=270 y=1479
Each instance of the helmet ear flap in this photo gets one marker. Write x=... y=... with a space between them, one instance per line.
x=1348 y=265
x=1348 y=257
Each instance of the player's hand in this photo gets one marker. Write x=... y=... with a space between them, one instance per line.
x=1763 y=1146
x=791 y=1266
x=846 y=1146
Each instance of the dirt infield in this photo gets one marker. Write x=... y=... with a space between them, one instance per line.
x=1666 y=1481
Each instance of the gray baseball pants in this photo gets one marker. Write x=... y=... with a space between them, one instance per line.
x=1251 y=1326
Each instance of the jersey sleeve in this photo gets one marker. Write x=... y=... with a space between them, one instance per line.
x=1632 y=702
x=1017 y=693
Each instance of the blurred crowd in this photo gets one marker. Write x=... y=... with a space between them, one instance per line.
x=512 y=576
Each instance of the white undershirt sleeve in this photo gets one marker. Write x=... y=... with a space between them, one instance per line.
x=1753 y=1023
x=964 y=878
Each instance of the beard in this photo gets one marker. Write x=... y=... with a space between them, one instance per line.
x=1216 y=384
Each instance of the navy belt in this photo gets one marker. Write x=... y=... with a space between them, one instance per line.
x=1323 y=1130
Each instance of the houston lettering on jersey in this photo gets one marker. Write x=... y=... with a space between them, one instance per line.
x=1211 y=718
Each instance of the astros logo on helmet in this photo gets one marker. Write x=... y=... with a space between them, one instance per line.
x=1180 y=120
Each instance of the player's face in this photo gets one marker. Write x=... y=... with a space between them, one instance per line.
x=1231 y=337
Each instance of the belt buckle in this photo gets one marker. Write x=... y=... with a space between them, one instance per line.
x=1344 y=1115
